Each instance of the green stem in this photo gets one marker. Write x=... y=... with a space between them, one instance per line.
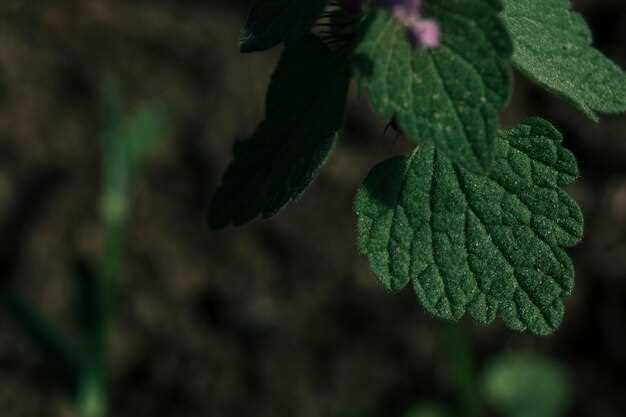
x=462 y=370
x=92 y=393
x=92 y=390
x=125 y=142
x=92 y=397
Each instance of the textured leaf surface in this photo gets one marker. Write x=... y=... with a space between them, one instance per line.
x=553 y=46
x=491 y=245
x=526 y=386
x=274 y=21
x=450 y=95
x=304 y=112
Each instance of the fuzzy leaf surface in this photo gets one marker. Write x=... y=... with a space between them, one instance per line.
x=302 y=121
x=450 y=95
x=271 y=22
x=484 y=244
x=553 y=47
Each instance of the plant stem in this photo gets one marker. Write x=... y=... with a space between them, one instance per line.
x=92 y=398
x=92 y=394
x=462 y=369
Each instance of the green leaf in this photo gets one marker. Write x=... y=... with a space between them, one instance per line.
x=553 y=46
x=450 y=95
x=488 y=244
x=526 y=386
x=274 y=21
x=304 y=112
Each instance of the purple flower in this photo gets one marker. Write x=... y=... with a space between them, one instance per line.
x=423 y=32
x=420 y=32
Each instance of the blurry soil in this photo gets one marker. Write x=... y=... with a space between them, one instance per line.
x=281 y=317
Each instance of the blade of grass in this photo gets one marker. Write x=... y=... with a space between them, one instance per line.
x=126 y=142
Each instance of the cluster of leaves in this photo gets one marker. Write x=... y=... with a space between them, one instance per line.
x=475 y=217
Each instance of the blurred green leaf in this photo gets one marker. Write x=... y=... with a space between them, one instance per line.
x=127 y=141
x=526 y=386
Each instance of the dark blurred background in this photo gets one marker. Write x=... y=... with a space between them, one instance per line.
x=281 y=317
